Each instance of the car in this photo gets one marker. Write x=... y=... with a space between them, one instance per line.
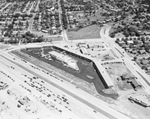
x=44 y=31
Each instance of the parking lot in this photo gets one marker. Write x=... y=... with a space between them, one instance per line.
x=87 y=71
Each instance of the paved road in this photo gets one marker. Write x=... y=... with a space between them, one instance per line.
x=5 y=7
x=31 y=22
x=65 y=37
x=126 y=58
x=19 y=79
x=98 y=105
x=85 y=106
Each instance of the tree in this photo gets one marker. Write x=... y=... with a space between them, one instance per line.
x=10 y=26
x=142 y=38
x=6 y=34
x=17 y=15
x=132 y=33
x=112 y=35
x=28 y=39
x=30 y=15
x=134 y=58
x=2 y=39
x=20 y=23
x=27 y=24
x=117 y=40
x=126 y=33
x=39 y=39
x=2 y=31
x=147 y=38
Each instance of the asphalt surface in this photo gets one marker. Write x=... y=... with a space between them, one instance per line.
x=66 y=91
x=85 y=69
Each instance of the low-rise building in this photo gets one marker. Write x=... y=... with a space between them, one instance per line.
x=65 y=59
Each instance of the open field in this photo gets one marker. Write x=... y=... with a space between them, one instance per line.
x=115 y=70
x=107 y=55
x=85 y=33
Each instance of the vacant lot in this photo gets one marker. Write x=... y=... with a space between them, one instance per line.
x=85 y=33
x=116 y=70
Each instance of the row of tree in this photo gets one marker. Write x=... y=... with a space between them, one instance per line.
x=64 y=17
x=28 y=37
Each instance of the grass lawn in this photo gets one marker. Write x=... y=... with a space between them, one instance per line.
x=88 y=32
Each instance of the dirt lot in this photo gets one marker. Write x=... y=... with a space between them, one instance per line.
x=85 y=33
x=115 y=70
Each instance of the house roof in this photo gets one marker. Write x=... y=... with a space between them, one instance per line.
x=127 y=75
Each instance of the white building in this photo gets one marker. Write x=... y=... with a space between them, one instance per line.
x=65 y=59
